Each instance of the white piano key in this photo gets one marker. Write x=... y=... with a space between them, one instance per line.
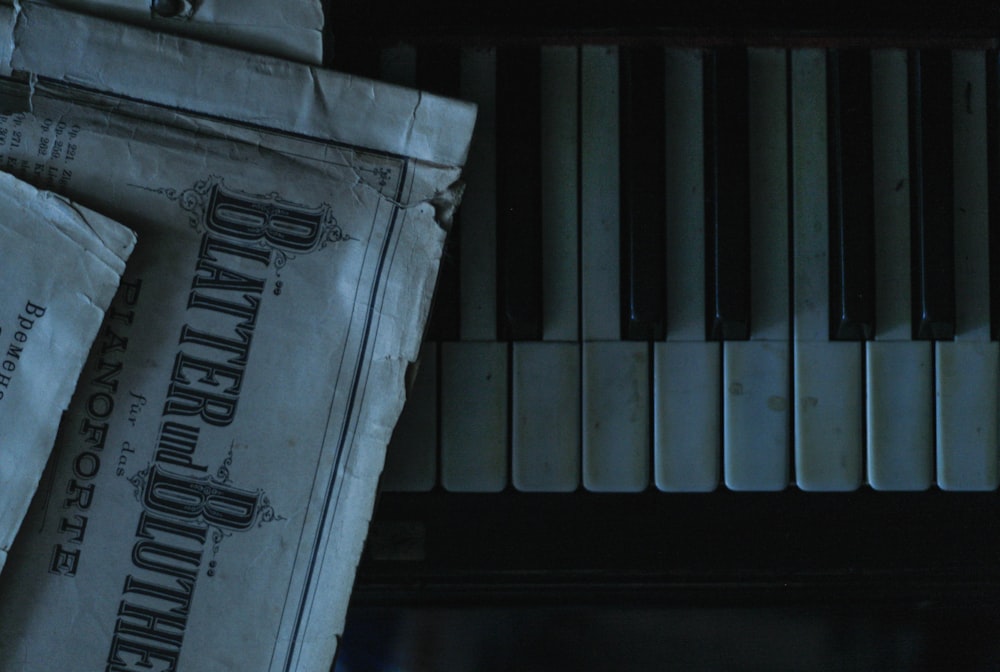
x=966 y=380
x=545 y=416
x=768 y=119
x=755 y=414
x=828 y=379
x=966 y=370
x=890 y=159
x=545 y=422
x=616 y=416
x=972 y=254
x=900 y=415
x=478 y=240
x=687 y=416
x=756 y=387
x=810 y=207
x=560 y=233
x=599 y=198
x=398 y=65
x=899 y=372
x=411 y=458
x=685 y=196
x=474 y=416
x=829 y=426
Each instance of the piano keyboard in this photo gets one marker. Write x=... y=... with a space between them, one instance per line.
x=684 y=269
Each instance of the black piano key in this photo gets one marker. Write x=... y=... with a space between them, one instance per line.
x=445 y=317
x=931 y=194
x=356 y=55
x=851 y=198
x=993 y=154
x=727 y=194
x=519 y=195
x=439 y=71
x=643 y=179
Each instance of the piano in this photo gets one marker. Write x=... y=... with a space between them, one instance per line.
x=717 y=323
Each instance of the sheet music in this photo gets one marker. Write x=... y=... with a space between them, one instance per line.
x=61 y=266
x=289 y=28
x=247 y=388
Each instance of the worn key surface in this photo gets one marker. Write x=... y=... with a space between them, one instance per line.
x=687 y=413
x=827 y=375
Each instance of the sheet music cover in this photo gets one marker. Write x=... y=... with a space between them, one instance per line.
x=289 y=28
x=62 y=264
x=213 y=480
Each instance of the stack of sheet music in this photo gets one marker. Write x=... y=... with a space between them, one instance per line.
x=213 y=476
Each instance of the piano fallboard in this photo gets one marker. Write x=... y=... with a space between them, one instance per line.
x=722 y=548
x=782 y=22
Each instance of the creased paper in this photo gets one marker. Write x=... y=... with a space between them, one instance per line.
x=289 y=28
x=62 y=264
